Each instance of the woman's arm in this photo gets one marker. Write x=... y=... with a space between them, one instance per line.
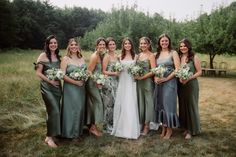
x=39 y=71
x=105 y=63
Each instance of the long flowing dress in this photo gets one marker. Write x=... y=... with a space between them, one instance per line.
x=94 y=108
x=188 y=95
x=52 y=97
x=108 y=96
x=145 y=90
x=126 y=118
x=165 y=96
x=73 y=106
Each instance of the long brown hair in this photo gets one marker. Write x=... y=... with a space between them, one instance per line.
x=79 y=55
x=123 y=49
x=147 y=40
x=159 y=48
x=47 y=50
x=188 y=44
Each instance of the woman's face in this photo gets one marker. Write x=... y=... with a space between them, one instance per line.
x=74 y=47
x=164 y=42
x=183 y=48
x=143 y=45
x=111 y=46
x=101 y=46
x=53 y=44
x=127 y=45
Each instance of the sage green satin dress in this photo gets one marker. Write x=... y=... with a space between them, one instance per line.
x=73 y=106
x=94 y=104
x=52 y=97
x=188 y=95
x=145 y=90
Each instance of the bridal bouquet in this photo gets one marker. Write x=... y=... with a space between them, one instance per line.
x=54 y=74
x=80 y=74
x=159 y=71
x=183 y=72
x=99 y=78
x=117 y=67
x=135 y=70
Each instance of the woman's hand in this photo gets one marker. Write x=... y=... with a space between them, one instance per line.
x=160 y=80
x=80 y=83
x=54 y=83
x=183 y=81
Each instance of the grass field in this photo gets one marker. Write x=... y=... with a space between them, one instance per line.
x=22 y=120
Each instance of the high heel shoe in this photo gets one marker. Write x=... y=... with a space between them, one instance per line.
x=93 y=130
x=49 y=141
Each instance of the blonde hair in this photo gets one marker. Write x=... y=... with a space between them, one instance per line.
x=79 y=55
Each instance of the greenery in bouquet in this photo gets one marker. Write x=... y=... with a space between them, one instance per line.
x=99 y=78
x=159 y=71
x=54 y=74
x=135 y=70
x=116 y=67
x=80 y=74
x=183 y=72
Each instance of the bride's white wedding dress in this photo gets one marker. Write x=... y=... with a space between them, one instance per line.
x=126 y=119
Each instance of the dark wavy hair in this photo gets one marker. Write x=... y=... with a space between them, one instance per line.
x=159 y=48
x=47 y=50
x=123 y=49
x=79 y=55
x=147 y=41
x=190 y=50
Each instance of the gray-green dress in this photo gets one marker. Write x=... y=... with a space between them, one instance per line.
x=108 y=94
x=145 y=90
x=165 y=96
x=73 y=106
x=188 y=95
x=94 y=108
x=52 y=97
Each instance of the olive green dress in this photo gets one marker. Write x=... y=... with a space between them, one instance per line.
x=94 y=108
x=73 y=106
x=52 y=97
x=188 y=95
x=145 y=90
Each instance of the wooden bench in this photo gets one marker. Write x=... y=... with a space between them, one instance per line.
x=208 y=71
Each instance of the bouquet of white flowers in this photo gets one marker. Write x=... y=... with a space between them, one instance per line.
x=80 y=74
x=183 y=72
x=99 y=78
x=54 y=74
x=135 y=70
x=159 y=71
x=117 y=67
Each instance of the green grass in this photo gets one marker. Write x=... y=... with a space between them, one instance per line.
x=22 y=120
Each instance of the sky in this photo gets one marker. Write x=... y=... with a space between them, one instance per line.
x=178 y=9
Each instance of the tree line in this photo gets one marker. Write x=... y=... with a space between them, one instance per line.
x=26 y=23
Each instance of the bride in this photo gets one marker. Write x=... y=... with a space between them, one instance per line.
x=126 y=120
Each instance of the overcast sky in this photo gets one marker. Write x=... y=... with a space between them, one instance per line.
x=179 y=9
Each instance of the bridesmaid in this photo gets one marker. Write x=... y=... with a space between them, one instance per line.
x=50 y=89
x=188 y=91
x=145 y=84
x=165 y=94
x=73 y=104
x=94 y=100
x=109 y=90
